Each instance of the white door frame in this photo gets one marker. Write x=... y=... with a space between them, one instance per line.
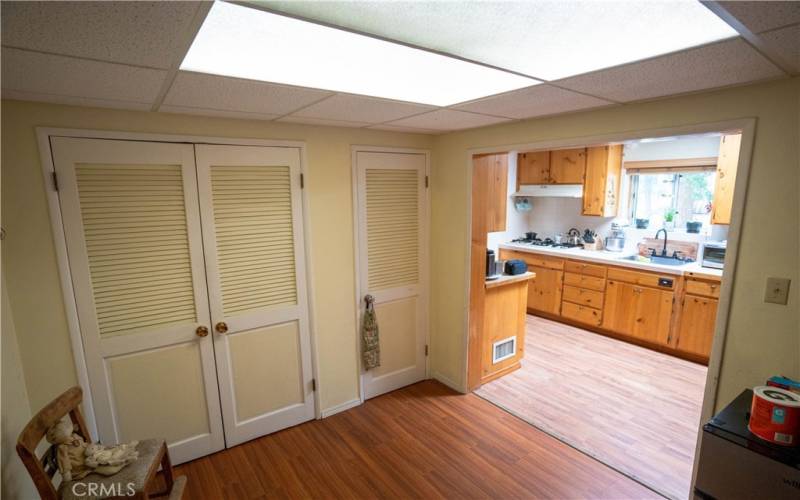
x=425 y=263
x=747 y=126
x=43 y=135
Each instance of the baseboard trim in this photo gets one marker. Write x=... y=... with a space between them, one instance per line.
x=333 y=410
x=448 y=382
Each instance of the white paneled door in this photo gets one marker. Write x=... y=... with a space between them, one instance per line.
x=253 y=238
x=392 y=219
x=188 y=270
x=132 y=226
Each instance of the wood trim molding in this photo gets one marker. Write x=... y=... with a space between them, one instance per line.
x=678 y=163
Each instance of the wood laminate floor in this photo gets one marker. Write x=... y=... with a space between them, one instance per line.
x=634 y=409
x=422 y=441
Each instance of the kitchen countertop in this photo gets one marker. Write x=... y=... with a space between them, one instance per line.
x=507 y=279
x=613 y=258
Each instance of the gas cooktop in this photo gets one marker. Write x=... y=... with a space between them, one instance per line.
x=547 y=242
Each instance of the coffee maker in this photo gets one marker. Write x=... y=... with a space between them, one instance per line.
x=492 y=271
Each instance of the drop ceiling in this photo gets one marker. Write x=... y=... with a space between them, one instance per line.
x=128 y=55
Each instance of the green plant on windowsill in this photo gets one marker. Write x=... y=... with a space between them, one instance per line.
x=669 y=218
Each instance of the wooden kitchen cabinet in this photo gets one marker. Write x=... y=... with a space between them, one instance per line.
x=503 y=342
x=602 y=180
x=727 y=163
x=544 y=291
x=696 y=328
x=492 y=199
x=533 y=168
x=640 y=312
x=567 y=166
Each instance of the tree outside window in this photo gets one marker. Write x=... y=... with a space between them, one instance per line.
x=682 y=196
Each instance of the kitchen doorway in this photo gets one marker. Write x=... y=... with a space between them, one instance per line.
x=622 y=349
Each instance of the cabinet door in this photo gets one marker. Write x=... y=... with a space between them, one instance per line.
x=567 y=166
x=601 y=185
x=533 y=168
x=652 y=314
x=544 y=291
x=696 y=329
x=640 y=312
x=726 y=178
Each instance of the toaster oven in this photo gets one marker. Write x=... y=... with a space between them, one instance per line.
x=714 y=254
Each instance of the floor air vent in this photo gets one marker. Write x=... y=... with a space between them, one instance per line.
x=504 y=349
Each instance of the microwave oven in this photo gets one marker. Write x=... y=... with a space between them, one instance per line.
x=714 y=254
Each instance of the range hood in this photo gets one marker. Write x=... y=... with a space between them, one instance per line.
x=551 y=191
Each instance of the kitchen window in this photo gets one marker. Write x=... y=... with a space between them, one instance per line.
x=672 y=198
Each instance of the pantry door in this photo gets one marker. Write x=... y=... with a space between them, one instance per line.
x=250 y=205
x=392 y=219
x=132 y=228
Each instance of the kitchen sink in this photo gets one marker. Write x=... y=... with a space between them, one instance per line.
x=655 y=259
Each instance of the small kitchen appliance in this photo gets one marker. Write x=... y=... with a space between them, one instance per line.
x=714 y=254
x=735 y=463
x=615 y=242
x=514 y=267
x=492 y=273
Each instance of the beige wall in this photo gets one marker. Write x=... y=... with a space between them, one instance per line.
x=16 y=482
x=763 y=339
x=29 y=256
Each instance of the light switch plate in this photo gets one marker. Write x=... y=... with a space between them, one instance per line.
x=777 y=291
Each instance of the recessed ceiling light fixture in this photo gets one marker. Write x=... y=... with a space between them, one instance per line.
x=248 y=43
x=545 y=39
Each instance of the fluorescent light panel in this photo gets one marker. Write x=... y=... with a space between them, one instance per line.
x=247 y=43
x=547 y=39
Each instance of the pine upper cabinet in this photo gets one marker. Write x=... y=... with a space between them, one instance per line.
x=533 y=167
x=638 y=311
x=726 y=178
x=601 y=185
x=696 y=328
x=544 y=291
x=491 y=199
x=567 y=166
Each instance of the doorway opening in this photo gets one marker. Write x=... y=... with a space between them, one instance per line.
x=632 y=244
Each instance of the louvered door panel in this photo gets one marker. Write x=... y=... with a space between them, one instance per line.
x=392 y=213
x=255 y=240
x=135 y=231
x=132 y=226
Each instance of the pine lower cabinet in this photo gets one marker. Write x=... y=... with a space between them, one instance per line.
x=544 y=292
x=640 y=312
x=698 y=315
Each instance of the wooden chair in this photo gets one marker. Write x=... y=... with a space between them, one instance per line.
x=139 y=477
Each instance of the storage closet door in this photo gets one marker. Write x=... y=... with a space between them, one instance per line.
x=392 y=253
x=132 y=227
x=253 y=238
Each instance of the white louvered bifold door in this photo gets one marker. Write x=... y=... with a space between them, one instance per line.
x=253 y=236
x=392 y=254
x=132 y=226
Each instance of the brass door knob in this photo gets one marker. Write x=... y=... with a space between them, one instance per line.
x=221 y=327
x=201 y=331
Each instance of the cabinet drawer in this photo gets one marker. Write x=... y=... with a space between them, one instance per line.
x=591 y=298
x=583 y=281
x=533 y=259
x=582 y=314
x=705 y=288
x=666 y=281
x=584 y=268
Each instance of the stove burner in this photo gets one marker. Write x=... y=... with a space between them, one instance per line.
x=547 y=242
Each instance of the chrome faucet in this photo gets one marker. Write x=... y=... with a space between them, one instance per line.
x=663 y=250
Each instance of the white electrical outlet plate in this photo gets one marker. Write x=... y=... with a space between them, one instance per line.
x=777 y=291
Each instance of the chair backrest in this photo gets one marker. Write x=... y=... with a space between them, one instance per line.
x=42 y=469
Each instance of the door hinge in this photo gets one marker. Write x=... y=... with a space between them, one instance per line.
x=302 y=181
x=314 y=384
x=426 y=181
x=426 y=349
x=55 y=181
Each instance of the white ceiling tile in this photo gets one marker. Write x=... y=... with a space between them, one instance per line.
x=533 y=101
x=786 y=43
x=188 y=110
x=361 y=109
x=66 y=76
x=320 y=121
x=412 y=130
x=764 y=15
x=18 y=95
x=721 y=64
x=233 y=94
x=448 y=119
x=139 y=33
